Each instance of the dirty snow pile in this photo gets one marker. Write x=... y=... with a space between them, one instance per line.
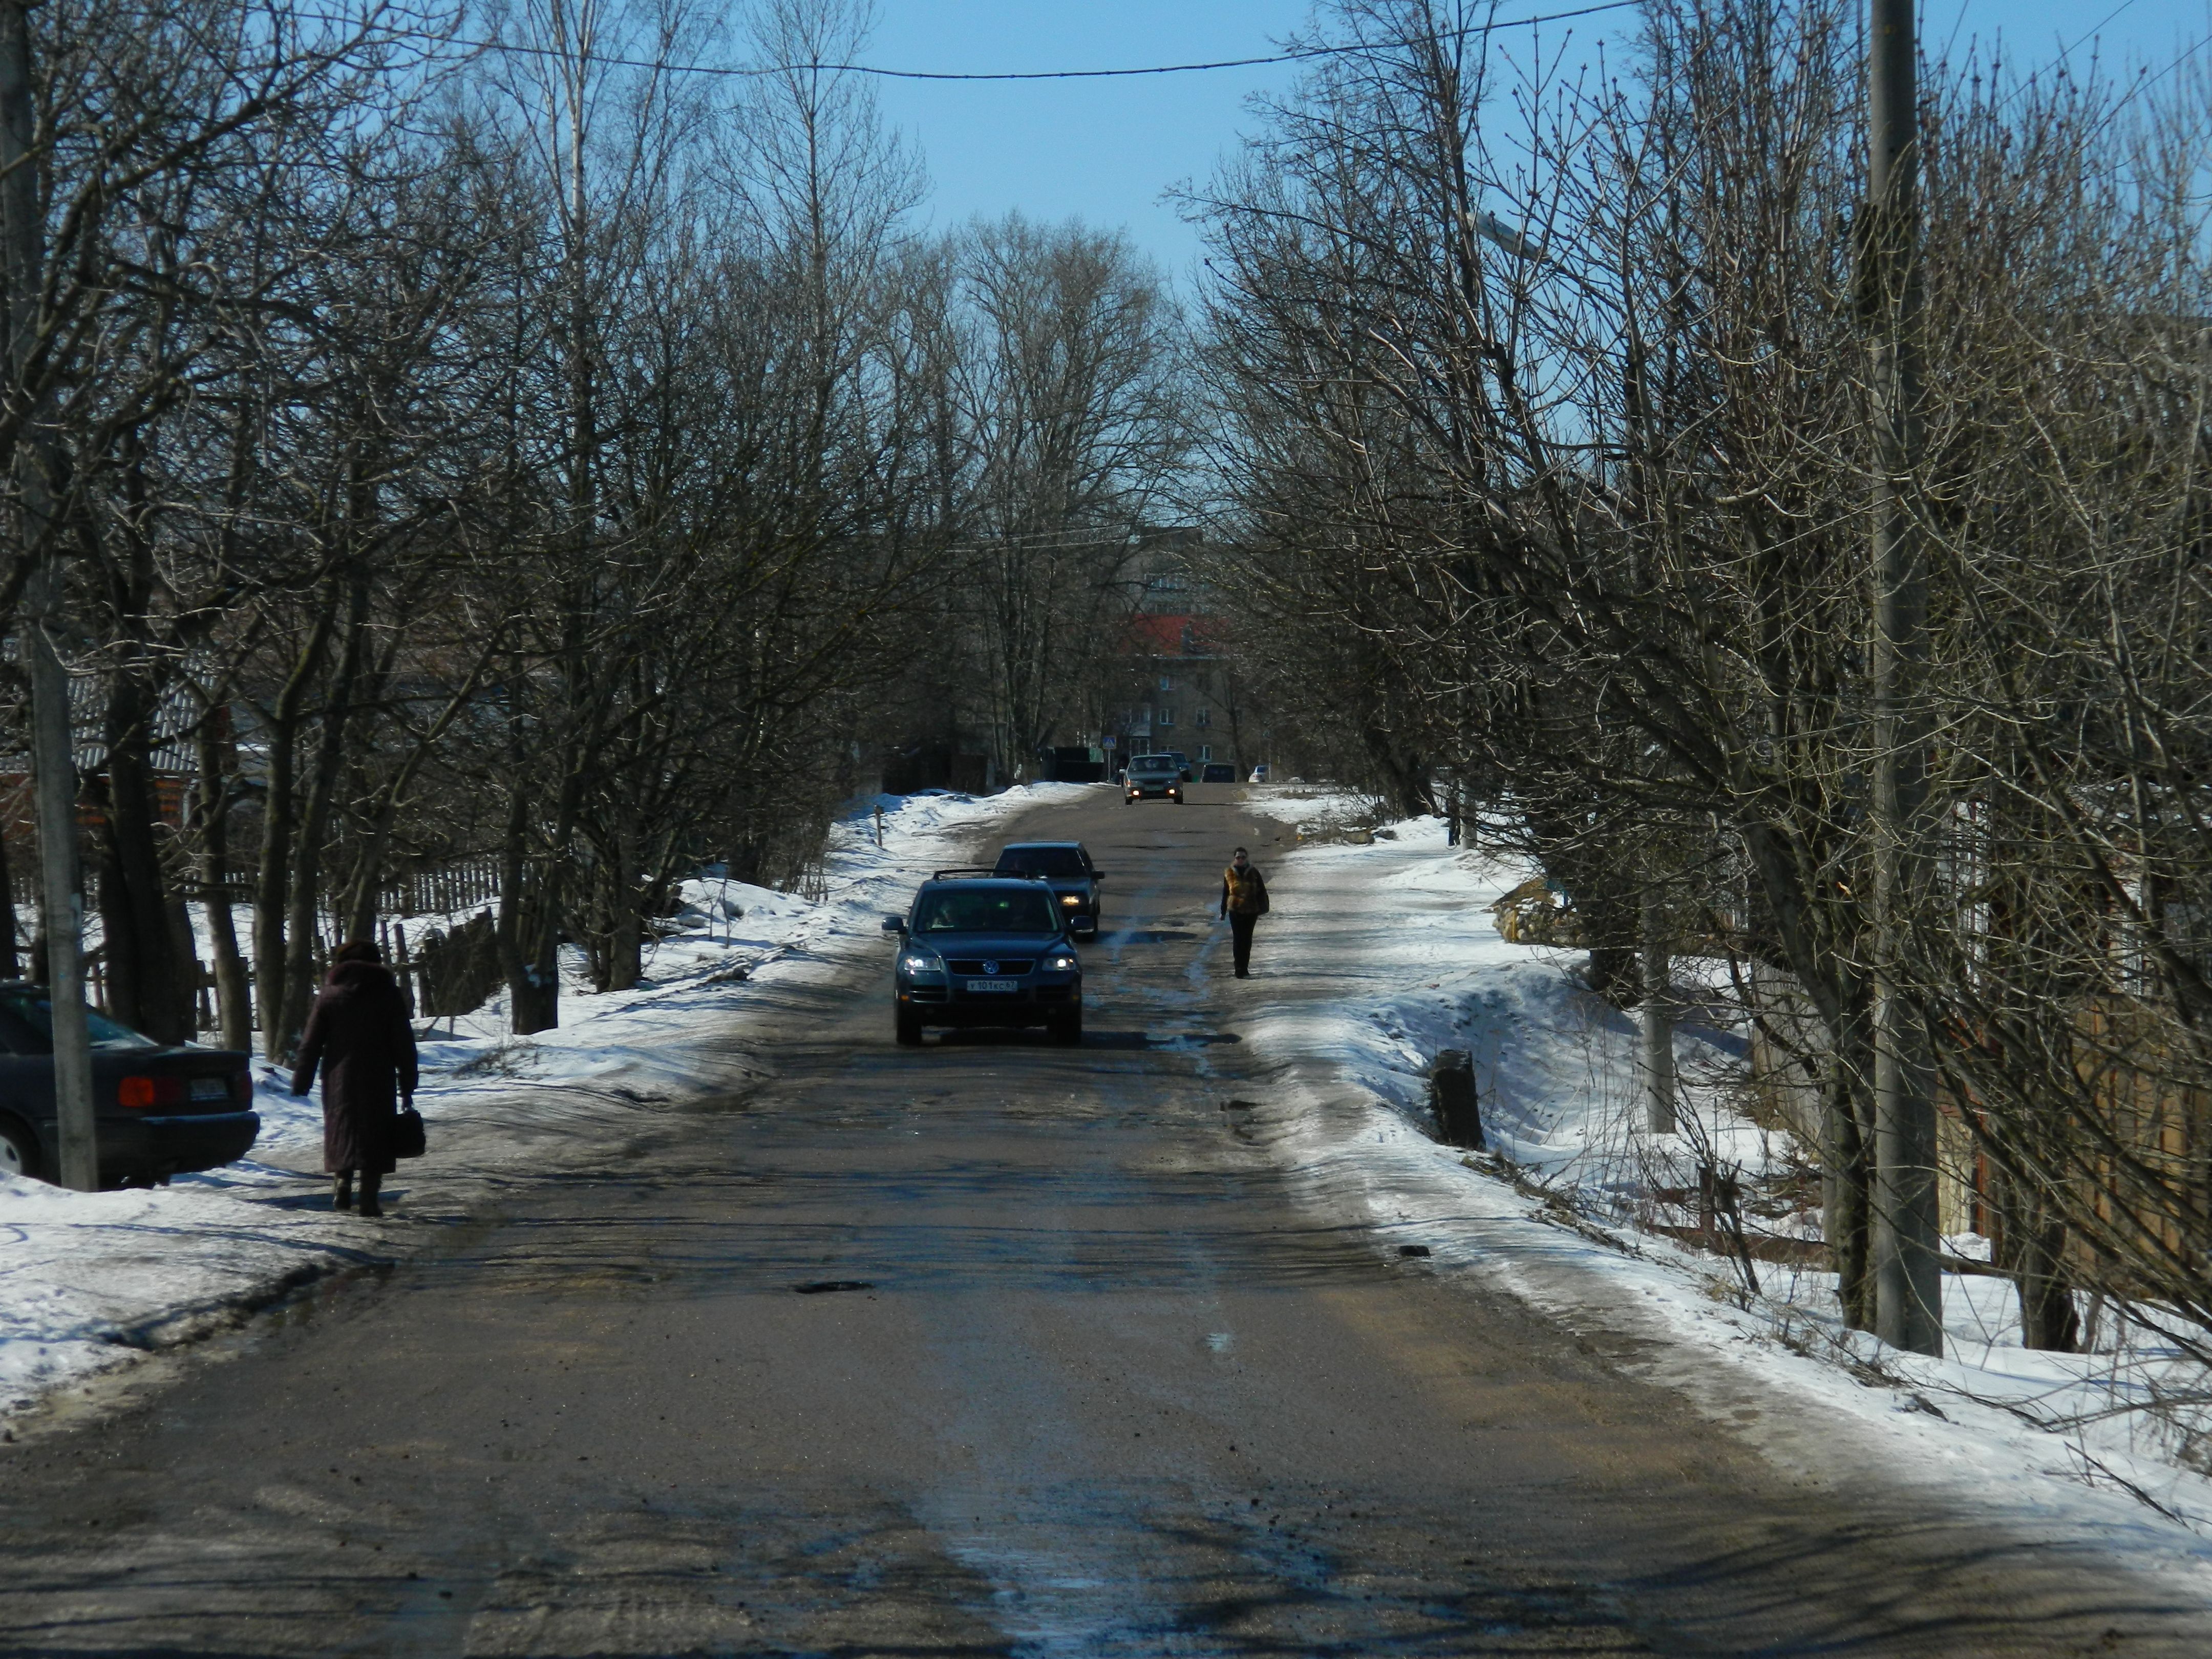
x=85 y=1278
x=1377 y=957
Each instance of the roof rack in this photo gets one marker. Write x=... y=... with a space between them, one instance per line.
x=971 y=870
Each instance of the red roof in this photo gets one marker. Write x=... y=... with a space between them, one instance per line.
x=1169 y=637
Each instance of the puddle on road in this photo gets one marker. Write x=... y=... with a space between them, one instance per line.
x=1176 y=1042
x=1067 y=1586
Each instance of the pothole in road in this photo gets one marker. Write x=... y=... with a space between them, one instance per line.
x=827 y=1286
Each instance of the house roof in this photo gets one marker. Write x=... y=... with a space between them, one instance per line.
x=1170 y=635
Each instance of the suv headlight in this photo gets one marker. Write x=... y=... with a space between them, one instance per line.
x=914 y=964
x=1062 y=963
x=1071 y=898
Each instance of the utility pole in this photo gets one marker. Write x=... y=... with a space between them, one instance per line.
x=1908 y=1279
x=53 y=756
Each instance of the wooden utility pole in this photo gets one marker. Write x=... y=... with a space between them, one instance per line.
x=1908 y=1280
x=53 y=756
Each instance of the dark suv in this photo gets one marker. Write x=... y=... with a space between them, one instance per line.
x=158 y=1111
x=984 y=950
x=1063 y=866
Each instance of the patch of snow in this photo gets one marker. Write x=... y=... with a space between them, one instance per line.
x=1376 y=957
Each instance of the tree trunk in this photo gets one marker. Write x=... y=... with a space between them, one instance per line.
x=1657 y=1017
x=532 y=995
x=148 y=985
x=620 y=948
x=2031 y=1246
x=233 y=994
x=8 y=966
x=272 y=887
x=509 y=929
x=1847 y=1163
x=298 y=984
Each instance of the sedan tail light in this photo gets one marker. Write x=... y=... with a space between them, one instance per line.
x=141 y=1092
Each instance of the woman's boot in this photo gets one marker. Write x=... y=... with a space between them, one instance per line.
x=370 y=1180
x=342 y=1190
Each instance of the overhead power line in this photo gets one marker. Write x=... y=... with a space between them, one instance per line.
x=1303 y=54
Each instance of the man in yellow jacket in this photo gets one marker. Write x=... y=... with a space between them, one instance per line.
x=1243 y=900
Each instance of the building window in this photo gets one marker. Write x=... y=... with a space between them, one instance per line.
x=1205 y=716
x=1166 y=717
x=1167 y=681
x=1205 y=750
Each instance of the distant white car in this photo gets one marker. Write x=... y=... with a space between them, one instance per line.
x=1260 y=773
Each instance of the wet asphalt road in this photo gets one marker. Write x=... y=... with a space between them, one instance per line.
x=1098 y=1387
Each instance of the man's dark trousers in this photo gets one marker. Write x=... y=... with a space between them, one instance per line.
x=1240 y=933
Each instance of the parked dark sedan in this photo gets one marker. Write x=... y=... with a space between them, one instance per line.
x=1063 y=866
x=1216 y=772
x=985 y=951
x=160 y=1110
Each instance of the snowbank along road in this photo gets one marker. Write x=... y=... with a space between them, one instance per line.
x=992 y=1347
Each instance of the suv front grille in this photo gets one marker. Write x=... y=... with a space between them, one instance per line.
x=1007 y=967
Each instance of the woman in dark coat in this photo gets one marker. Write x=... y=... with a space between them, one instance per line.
x=359 y=1034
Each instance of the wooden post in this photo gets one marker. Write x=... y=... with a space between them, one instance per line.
x=1452 y=1098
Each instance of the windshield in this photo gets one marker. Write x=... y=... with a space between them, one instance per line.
x=986 y=910
x=31 y=1028
x=1040 y=861
x=1153 y=763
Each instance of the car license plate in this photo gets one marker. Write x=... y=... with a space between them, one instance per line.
x=995 y=985
x=210 y=1088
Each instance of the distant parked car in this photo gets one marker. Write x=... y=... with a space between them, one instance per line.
x=1259 y=772
x=1153 y=774
x=1218 y=772
x=158 y=1110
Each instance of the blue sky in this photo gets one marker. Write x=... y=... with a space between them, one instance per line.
x=1104 y=151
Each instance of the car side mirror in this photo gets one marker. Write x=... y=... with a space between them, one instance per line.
x=1097 y=875
x=895 y=925
x=1083 y=927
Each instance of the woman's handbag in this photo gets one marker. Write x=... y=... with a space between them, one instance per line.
x=407 y=1136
